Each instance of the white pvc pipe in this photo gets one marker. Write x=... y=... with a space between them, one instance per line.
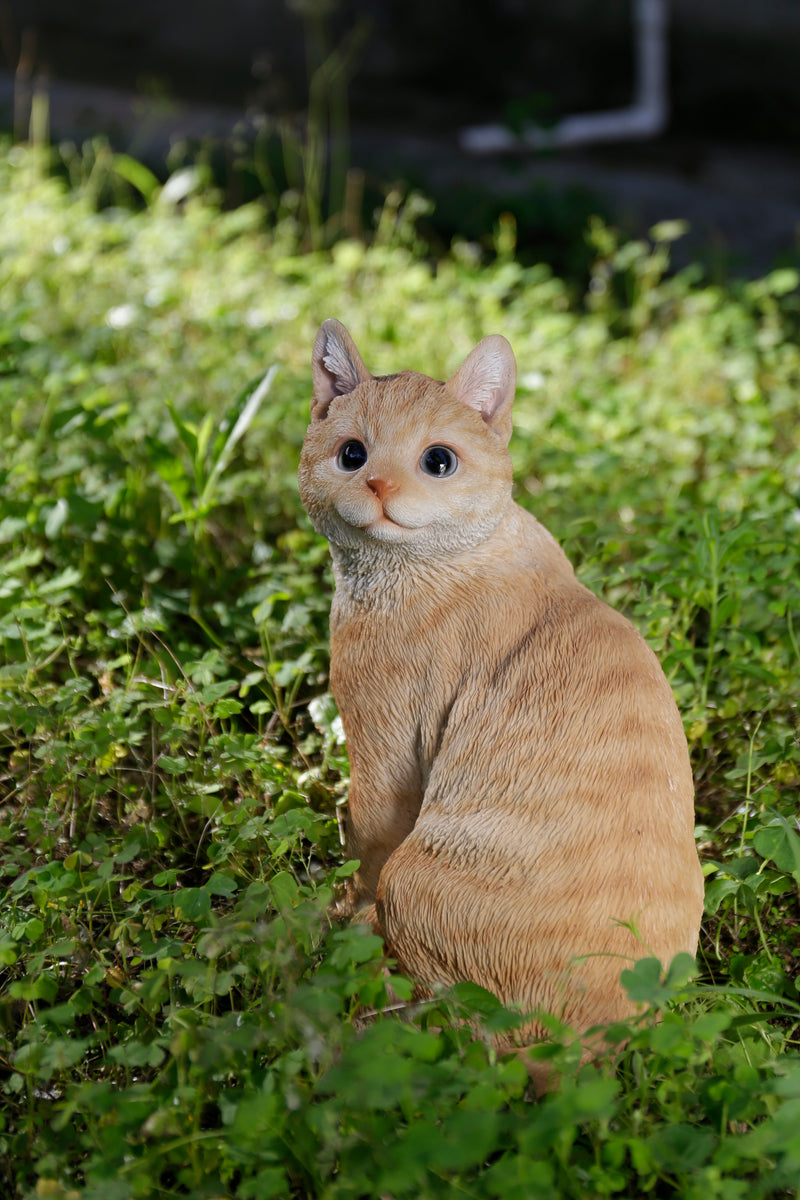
x=645 y=118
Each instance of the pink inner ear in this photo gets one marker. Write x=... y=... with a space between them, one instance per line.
x=344 y=377
x=491 y=404
x=336 y=366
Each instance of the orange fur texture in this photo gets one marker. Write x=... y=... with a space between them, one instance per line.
x=521 y=790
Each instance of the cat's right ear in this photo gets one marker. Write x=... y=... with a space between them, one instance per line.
x=336 y=367
x=486 y=381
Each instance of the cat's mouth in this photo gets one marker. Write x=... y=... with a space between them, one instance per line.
x=384 y=522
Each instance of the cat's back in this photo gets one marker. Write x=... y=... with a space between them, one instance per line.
x=550 y=674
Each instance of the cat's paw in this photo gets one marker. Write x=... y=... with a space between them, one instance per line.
x=366 y=915
x=340 y=909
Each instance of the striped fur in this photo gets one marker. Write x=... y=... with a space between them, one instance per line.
x=521 y=791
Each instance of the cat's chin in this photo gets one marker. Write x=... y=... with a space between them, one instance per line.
x=387 y=530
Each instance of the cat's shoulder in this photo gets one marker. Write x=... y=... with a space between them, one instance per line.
x=535 y=544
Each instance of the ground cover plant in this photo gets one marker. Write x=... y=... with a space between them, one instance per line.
x=177 y=1016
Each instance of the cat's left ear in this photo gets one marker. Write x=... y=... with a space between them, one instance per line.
x=486 y=381
x=336 y=366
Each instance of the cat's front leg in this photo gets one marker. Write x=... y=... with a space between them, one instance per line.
x=386 y=752
x=379 y=819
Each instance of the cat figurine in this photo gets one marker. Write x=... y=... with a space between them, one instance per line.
x=521 y=799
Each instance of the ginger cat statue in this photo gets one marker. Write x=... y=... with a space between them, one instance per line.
x=521 y=798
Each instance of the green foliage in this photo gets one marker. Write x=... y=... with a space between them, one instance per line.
x=177 y=1015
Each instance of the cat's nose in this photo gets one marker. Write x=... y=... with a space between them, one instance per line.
x=381 y=487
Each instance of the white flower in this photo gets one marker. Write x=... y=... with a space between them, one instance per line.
x=120 y=316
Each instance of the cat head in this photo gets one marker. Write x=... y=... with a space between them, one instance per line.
x=404 y=463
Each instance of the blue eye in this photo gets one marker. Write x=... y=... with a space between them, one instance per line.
x=438 y=461
x=352 y=455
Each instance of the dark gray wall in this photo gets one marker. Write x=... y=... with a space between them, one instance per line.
x=733 y=63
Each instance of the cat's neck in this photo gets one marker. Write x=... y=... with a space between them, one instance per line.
x=379 y=577
x=373 y=579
